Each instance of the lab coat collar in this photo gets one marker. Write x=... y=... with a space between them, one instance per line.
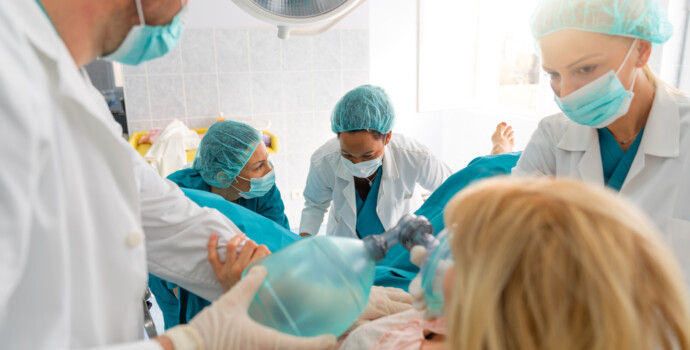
x=661 y=135
x=577 y=138
x=70 y=81
x=390 y=167
x=42 y=34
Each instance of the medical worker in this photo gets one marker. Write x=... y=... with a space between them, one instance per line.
x=232 y=162
x=620 y=126
x=366 y=175
x=82 y=216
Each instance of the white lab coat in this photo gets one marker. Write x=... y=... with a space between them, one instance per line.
x=75 y=202
x=659 y=177
x=406 y=163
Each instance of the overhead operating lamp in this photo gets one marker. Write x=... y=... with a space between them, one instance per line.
x=299 y=17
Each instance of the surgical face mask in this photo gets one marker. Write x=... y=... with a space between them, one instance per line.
x=601 y=102
x=144 y=42
x=259 y=186
x=363 y=169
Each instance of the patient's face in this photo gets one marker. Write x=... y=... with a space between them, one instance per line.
x=361 y=146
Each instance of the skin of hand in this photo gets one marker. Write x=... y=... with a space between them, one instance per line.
x=229 y=272
x=503 y=139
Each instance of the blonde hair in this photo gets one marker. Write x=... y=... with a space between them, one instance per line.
x=557 y=264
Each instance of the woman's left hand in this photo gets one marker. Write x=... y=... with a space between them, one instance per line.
x=230 y=272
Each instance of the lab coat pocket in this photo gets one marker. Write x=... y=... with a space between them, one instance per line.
x=679 y=241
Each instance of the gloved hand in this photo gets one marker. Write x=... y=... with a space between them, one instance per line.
x=383 y=301
x=227 y=325
x=417 y=254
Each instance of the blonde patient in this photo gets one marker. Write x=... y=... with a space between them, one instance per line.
x=557 y=264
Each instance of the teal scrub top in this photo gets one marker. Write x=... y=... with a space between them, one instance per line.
x=270 y=229
x=616 y=162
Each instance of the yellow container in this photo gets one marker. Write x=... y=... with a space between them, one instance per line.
x=142 y=148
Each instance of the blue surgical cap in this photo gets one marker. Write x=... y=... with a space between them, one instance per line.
x=365 y=108
x=643 y=19
x=224 y=151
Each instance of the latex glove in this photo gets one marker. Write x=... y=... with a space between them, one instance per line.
x=383 y=301
x=239 y=253
x=417 y=254
x=225 y=324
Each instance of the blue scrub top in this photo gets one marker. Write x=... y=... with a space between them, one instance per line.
x=616 y=162
x=270 y=229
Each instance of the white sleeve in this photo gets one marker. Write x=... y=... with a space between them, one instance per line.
x=177 y=232
x=23 y=152
x=140 y=345
x=433 y=173
x=318 y=195
x=539 y=156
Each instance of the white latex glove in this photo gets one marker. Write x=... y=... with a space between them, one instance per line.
x=227 y=325
x=383 y=301
x=417 y=254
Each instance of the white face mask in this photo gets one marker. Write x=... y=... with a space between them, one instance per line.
x=363 y=169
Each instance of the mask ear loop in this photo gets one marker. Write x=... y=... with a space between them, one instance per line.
x=238 y=190
x=140 y=12
x=626 y=60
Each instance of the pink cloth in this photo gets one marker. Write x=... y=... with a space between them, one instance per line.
x=401 y=331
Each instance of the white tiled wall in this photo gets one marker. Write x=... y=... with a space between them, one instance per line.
x=248 y=73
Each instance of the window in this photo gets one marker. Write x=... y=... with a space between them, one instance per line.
x=480 y=54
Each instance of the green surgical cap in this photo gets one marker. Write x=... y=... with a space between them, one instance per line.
x=365 y=108
x=224 y=151
x=643 y=19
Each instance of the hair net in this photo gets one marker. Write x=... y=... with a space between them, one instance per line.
x=365 y=108
x=644 y=19
x=224 y=151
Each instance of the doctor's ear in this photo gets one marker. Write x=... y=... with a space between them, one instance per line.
x=387 y=139
x=644 y=49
